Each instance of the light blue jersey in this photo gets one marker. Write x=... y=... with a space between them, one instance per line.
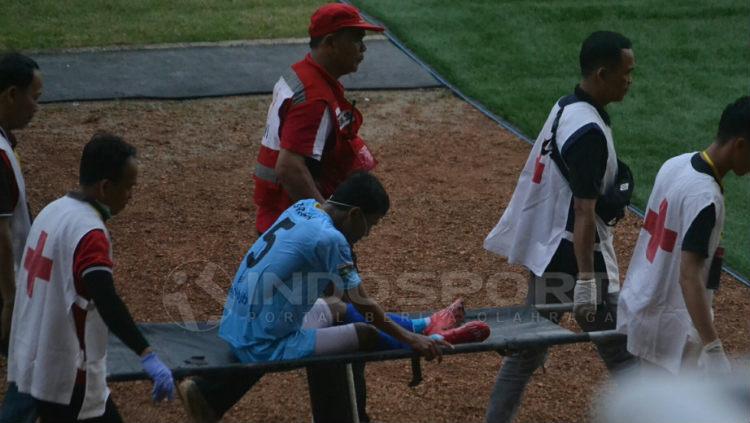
x=280 y=278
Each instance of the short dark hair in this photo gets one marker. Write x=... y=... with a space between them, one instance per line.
x=735 y=121
x=316 y=41
x=104 y=157
x=602 y=48
x=363 y=190
x=16 y=70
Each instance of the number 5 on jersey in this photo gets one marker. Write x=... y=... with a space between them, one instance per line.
x=269 y=237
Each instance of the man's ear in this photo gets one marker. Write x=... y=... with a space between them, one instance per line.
x=601 y=73
x=9 y=95
x=103 y=187
x=352 y=212
x=328 y=40
x=741 y=144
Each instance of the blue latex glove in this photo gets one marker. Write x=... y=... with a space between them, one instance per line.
x=161 y=375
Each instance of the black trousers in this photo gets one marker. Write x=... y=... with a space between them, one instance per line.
x=224 y=389
x=50 y=412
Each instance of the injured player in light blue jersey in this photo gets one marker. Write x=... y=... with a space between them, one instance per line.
x=298 y=293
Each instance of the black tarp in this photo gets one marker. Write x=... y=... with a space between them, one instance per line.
x=208 y=71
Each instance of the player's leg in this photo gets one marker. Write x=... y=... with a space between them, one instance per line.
x=207 y=398
x=339 y=328
x=376 y=340
x=447 y=318
x=330 y=311
x=343 y=339
x=323 y=313
x=440 y=324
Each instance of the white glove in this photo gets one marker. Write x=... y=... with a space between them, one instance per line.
x=713 y=360
x=584 y=297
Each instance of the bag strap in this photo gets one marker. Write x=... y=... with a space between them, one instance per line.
x=554 y=151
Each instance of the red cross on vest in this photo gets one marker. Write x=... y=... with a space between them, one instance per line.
x=36 y=264
x=660 y=236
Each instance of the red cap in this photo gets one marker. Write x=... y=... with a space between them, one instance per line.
x=335 y=16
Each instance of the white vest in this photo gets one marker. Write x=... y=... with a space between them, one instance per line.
x=281 y=92
x=289 y=86
x=44 y=352
x=652 y=310
x=20 y=223
x=533 y=224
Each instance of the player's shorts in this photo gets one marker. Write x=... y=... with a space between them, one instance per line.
x=317 y=336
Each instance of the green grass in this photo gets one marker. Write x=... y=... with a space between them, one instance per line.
x=45 y=24
x=518 y=57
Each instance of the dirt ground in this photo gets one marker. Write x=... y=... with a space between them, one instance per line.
x=449 y=171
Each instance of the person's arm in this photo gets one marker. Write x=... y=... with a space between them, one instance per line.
x=305 y=129
x=585 y=298
x=101 y=288
x=369 y=308
x=9 y=197
x=695 y=251
x=295 y=177
x=694 y=292
x=115 y=314
x=586 y=158
x=92 y=267
x=584 y=236
x=7 y=279
x=712 y=359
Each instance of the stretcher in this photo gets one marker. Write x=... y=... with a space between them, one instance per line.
x=195 y=349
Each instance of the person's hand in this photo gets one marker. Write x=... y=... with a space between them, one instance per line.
x=161 y=375
x=584 y=298
x=6 y=317
x=713 y=360
x=427 y=346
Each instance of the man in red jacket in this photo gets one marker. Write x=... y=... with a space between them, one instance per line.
x=311 y=142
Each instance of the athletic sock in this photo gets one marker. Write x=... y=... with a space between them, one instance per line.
x=354 y=316
x=385 y=341
x=420 y=324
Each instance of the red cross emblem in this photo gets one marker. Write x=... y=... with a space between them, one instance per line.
x=36 y=264
x=661 y=237
x=538 y=170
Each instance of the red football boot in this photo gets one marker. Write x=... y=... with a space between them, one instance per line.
x=447 y=318
x=474 y=331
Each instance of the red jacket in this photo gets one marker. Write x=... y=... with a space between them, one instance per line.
x=327 y=136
